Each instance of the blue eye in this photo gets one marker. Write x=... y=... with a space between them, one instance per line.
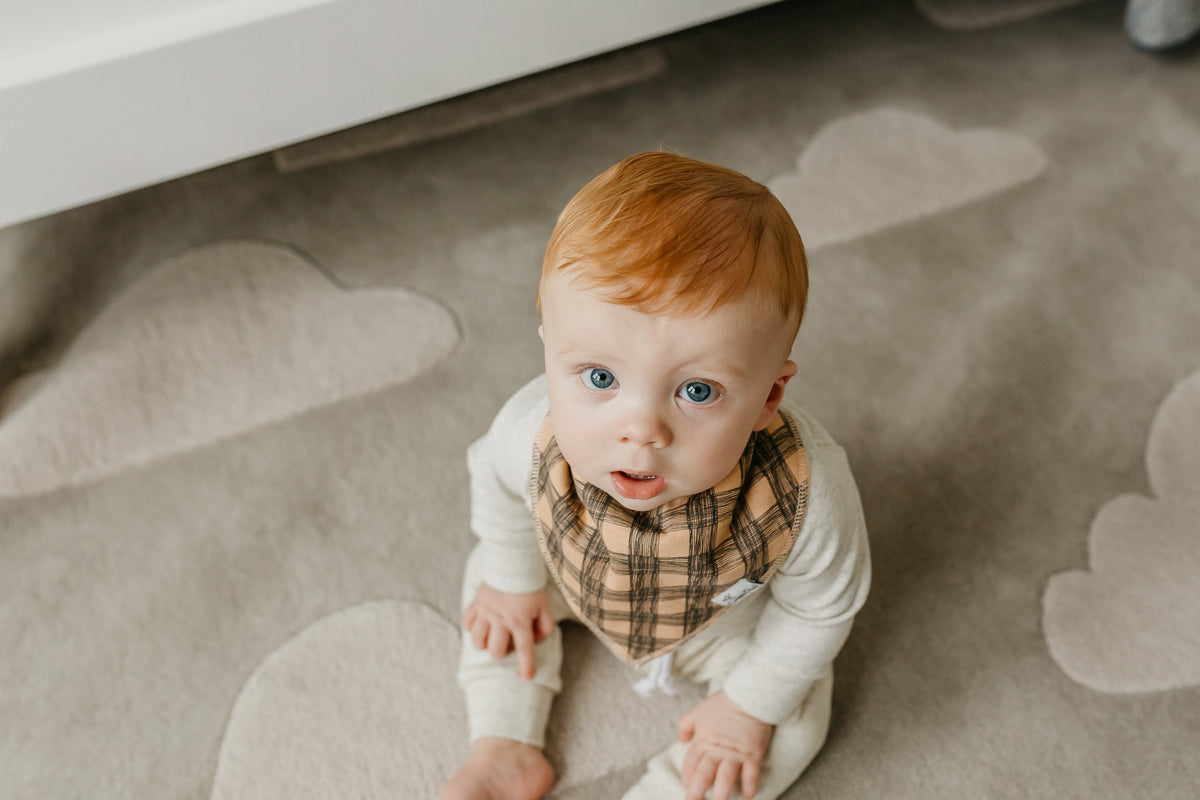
x=698 y=392
x=599 y=378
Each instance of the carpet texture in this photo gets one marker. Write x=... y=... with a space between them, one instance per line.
x=1130 y=623
x=839 y=192
x=235 y=408
x=357 y=700
x=356 y=705
x=214 y=343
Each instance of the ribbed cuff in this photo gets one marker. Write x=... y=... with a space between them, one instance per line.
x=774 y=705
x=508 y=709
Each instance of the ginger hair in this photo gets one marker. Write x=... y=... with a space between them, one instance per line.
x=661 y=232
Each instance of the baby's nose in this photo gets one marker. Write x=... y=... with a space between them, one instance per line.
x=645 y=427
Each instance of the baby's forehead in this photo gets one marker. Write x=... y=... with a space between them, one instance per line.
x=584 y=319
x=568 y=287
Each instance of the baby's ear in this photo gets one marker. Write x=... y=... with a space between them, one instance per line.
x=775 y=396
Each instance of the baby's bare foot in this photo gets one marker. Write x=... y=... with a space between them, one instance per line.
x=500 y=769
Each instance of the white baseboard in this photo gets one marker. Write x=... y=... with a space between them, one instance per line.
x=106 y=103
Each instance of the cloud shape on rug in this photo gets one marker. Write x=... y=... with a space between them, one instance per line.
x=362 y=701
x=214 y=343
x=869 y=171
x=970 y=15
x=364 y=704
x=1129 y=624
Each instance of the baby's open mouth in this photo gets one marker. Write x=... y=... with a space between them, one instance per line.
x=637 y=485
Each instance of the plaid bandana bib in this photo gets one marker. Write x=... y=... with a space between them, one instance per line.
x=647 y=581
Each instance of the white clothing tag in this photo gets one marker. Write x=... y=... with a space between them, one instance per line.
x=743 y=588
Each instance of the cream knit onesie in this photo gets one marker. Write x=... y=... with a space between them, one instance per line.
x=772 y=652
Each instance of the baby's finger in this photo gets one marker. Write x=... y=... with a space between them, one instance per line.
x=523 y=644
x=750 y=773
x=686 y=728
x=479 y=632
x=689 y=764
x=498 y=643
x=543 y=626
x=726 y=777
x=702 y=777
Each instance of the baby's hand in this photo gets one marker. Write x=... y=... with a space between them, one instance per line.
x=726 y=742
x=501 y=622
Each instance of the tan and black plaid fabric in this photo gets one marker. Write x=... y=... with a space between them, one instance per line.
x=644 y=581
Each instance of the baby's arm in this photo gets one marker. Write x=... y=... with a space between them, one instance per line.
x=812 y=602
x=501 y=622
x=726 y=743
x=510 y=609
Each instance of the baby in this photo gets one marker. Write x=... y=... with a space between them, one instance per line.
x=654 y=486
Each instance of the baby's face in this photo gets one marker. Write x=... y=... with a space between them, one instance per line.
x=652 y=408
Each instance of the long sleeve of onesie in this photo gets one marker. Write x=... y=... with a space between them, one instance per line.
x=815 y=593
x=500 y=464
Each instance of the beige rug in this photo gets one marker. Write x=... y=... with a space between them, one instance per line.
x=356 y=707
x=210 y=345
x=1129 y=624
x=885 y=166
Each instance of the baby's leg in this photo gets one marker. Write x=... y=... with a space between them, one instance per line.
x=795 y=743
x=499 y=702
x=507 y=715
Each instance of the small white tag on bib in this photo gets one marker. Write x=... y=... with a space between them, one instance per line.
x=743 y=588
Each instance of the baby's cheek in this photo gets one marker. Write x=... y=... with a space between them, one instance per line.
x=576 y=450
x=719 y=457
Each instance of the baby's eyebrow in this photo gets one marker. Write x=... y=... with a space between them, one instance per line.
x=574 y=349
x=579 y=353
x=723 y=368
